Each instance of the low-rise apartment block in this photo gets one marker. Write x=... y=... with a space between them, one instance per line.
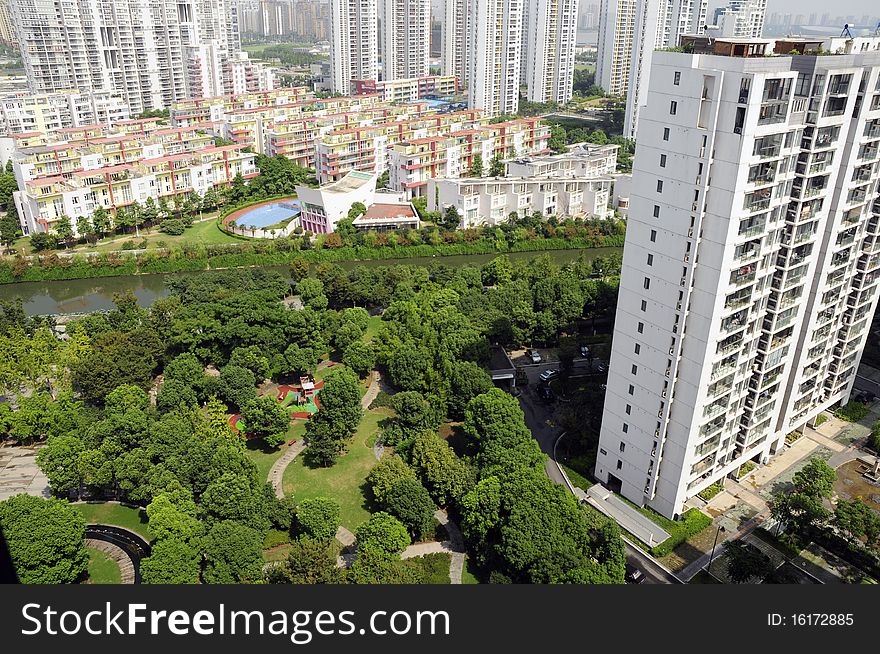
x=409 y=89
x=46 y=112
x=73 y=171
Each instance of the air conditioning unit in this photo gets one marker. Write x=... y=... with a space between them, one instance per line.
x=737 y=130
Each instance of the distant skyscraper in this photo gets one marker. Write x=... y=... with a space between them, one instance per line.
x=617 y=22
x=456 y=39
x=744 y=19
x=494 y=55
x=7 y=29
x=354 y=47
x=150 y=52
x=405 y=38
x=548 y=49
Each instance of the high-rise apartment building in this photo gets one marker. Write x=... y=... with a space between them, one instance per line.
x=7 y=29
x=354 y=46
x=751 y=262
x=548 y=49
x=743 y=19
x=405 y=38
x=493 y=56
x=456 y=18
x=304 y=19
x=149 y=52
x=658 y=24
x=617 y=24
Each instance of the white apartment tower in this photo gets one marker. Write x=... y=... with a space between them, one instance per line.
x=742 y=19
x=405 y=38
x=658 y=24
x=149 y=52
x=354 y=47
x=454 y=57
x=548 y=49
x=495 y=30
x=617 y=23
x=751 y=263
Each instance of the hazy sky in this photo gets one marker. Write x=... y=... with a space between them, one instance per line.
x=840 y=8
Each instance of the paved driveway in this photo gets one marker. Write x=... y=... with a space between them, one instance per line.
x=19 y=473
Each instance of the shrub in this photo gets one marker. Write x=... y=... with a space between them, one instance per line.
x=691 y=523
x=874 y=438
x=318 y=518
x=852 y=411
x=711 y=491
x=172 y=227
x=821 y=419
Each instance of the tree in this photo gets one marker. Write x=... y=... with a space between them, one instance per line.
x=171 y=561
x=64 y=228
x=408 y=367
x=232 y=496
x=746 y=562
x=498 y=271
x=116 y=359
x=467 y=380
x=265 y=418
x=386 y=474
x=173 y=394
x=481 y=510
x=45 y=539
x=857 y=520
x=476 y=167
x=58 y=461
x=409 y=501
x=252 y=358
x=815 y=479
x=101 y=221
x=237 y=385
x=360 y=357
x=233 y=554
x=357 y=210
x=558 y=139
x=382 y=536
x=445 y=475
x=308 y=562
x=341 y=400
x=173 y=516
x=84 y=226
x=299 y=269
x=497 y=167
x=311 y=292
x=450 y=218
x=318 y=518
x=10 y=229
x=299 y=360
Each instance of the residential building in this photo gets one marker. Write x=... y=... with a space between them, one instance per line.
x=581 y=160
x=617 y=23
x=387 y=215
x=456 y=39
x=750 y=266
x=548 y=49
x=354 y=48
x=323 y=207
x=405 y=38
x=7 y=29
x=73 y=171
x=307 y=20
x=21 y=113
x=742 y=19
x=659 y=24
x=493 y=56
x=492 y=201
x=408 y=90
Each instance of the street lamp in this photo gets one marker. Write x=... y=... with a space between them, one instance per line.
x=712 y=556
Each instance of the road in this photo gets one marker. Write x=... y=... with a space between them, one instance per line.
x=539 y=419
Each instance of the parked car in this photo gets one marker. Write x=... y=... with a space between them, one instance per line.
x=601 y=367
x=545 y=393
x=585 y=351
x=536 y=356
x=634 y=575
x=547 y=375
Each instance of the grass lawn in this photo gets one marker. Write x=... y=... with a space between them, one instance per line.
x=576 y=478
x=468 y=575
x=201 y=233
x=263 y=456
x=116 y=514
x=431 y=568
x=345 y=481
x=374 y=324
x=102 y=569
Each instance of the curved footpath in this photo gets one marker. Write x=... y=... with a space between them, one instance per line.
x=123 y=560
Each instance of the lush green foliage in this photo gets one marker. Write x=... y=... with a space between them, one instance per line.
x=318 y=518
x=852 y=411
x=691 y=523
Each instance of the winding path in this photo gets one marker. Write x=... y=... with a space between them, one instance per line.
x=276 y=472
x=123 y=560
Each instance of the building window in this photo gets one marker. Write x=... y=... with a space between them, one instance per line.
x=676 y=78
x=638 y=348
x=619 y=464
x=641 y=327
x=656 y=211
x=644 y=305
x=659 y=185
x=629 y=409
x=632 y=389
x=647 y=283
x=635 y=369
x=653 y=236
x=663 y=161
x=622 y=444
x=673 y=107
x=665 y=133
x=625 y=430
x=650 y=259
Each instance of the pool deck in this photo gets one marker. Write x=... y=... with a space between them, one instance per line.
x=230 y=220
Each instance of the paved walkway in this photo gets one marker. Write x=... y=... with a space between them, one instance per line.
x=19 y=473
x=276 y=472
x=373 y=390
x=126 y=567
x=639 y=525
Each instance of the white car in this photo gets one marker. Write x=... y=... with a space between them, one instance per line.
x=536 y=357
x=547 y=375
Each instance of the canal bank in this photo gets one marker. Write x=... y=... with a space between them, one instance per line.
x=96 y=294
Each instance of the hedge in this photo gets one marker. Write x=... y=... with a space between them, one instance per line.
x=852 y=412
x=691 y=523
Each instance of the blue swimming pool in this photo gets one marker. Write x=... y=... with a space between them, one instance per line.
x=269 y=214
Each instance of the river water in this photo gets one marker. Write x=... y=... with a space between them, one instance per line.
x=88 y=295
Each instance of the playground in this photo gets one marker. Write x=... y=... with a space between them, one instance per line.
x=301 y=401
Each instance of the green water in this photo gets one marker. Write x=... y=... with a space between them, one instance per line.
x=87 y=295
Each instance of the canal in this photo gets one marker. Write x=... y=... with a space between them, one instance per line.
x=87 y=295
